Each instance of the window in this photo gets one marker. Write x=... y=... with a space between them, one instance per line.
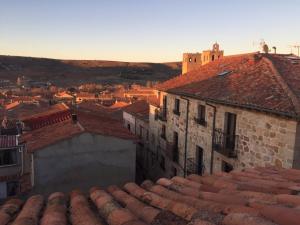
x=199 y=158
x=213 y=58
x=8 y=157
x=141 y=131
x=230 y=127
x=190 y=59
x=175 y=147
x=128 y=127
x=174 y=172
x=195 y=60
x=164 y=110
x=177 y=107
x=201 y=115
x=12 y=188
x=162 y=163
x=163 y=131
x=152 y=138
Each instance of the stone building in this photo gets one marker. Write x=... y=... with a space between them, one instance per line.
x=192 y=61
x=237 y=112
x=136 y=120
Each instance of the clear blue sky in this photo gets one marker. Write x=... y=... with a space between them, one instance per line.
x=144 y=30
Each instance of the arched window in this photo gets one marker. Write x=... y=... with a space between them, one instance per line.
x=190 y=59
x=212 y=57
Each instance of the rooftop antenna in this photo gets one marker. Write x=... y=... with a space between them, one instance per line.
x=262 y=45
x=297 y=47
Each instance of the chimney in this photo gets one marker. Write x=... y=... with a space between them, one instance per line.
x=274 y=47
x=74 y=117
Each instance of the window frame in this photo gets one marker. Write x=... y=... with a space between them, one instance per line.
x=176 y=110
x=201 y=115
x=163 y=132
x=15 y=150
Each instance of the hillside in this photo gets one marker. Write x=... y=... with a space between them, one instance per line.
x=72 y=72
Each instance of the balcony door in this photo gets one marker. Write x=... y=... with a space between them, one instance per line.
x=164 y=105
x=175 y=147
x=230 y=129
x=199 y=157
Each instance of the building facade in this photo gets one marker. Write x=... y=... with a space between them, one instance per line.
x=197 y=128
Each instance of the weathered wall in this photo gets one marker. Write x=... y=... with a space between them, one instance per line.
x=129 y=120
x=264 y=139
x=84 y=161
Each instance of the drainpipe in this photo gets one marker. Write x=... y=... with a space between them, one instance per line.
x=213 y=137
x=186 y=133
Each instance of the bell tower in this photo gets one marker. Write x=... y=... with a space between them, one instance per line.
x=192 y=61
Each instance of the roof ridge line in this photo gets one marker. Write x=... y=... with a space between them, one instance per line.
x=283 y=84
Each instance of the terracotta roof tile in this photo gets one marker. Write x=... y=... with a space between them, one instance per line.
x=56 y=210
x=9 y=210
x=30 y=212
x=177 y=201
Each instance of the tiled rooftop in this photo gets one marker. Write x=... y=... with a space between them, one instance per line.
x=264 y=82
x=92 y=122
x=139 y=109
x=260 y=196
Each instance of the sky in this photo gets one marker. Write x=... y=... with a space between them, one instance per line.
x=144 y=30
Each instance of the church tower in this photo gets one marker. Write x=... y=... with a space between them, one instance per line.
x=192 y=61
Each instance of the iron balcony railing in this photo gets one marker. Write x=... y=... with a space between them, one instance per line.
x=194 y=167
x=225 y=144
x=200 y=121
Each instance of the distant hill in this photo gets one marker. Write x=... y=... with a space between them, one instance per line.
x=72 y=72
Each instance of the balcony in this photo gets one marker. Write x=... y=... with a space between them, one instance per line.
x=225 y=144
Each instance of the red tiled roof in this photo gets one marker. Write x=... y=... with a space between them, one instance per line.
x=139 y=109
x=260 y=196
x=47 y=135
x=103 y=124
x=91 y=122
x=54 y=115
x=8 y=141
x=258 y=81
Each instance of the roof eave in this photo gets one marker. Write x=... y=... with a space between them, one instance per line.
x=233 y=104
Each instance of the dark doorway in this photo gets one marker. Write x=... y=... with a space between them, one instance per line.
x=175 y=147
x=200 y=165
